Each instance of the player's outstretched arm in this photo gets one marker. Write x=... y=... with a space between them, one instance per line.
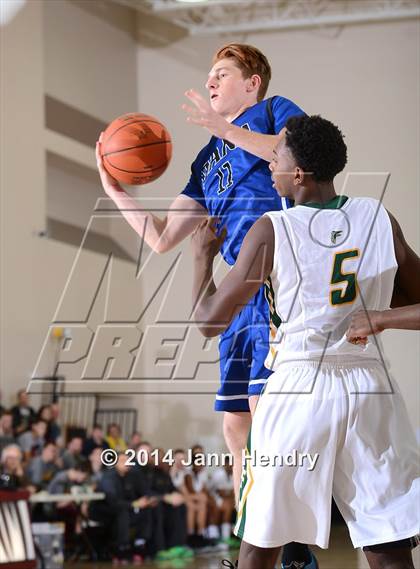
x=215 y=307
x=161 y=234
x=405 y=303
x=202 y=114
x=365 y=323
x=407 y=279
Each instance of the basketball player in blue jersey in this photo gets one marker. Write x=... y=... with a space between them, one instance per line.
x=229 y=178
x=329 y=395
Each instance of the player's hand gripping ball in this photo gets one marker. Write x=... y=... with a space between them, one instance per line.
x=136 y=148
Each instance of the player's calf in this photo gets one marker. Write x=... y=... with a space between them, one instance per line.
x=235 y=430
x=251 y=557
x=394 y=555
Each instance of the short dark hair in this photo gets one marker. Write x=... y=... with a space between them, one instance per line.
x=317 y=145
x=74 y=437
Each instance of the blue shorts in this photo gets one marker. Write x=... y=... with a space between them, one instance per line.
x=243 y=348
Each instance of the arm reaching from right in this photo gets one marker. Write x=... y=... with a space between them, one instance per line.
x=365 y=323
x=405 y=304
x=161 y=235
x=407 y=278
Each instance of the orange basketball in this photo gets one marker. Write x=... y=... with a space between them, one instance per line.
x=136 y=148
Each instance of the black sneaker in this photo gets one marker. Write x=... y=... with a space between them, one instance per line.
x=228 y=563
x=193 y=541
x=197 y=541
x=313 y=564
x=205 y=545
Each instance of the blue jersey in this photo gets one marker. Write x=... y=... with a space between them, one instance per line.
x=235 y=185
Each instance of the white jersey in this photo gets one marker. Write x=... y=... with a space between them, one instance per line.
x=328 y=262
x=199 y=480
x=221 y=480
x=178 y=476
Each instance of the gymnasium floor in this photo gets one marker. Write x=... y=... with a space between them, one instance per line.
x=340 y=555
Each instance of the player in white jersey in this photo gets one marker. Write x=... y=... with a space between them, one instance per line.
x=331 y=422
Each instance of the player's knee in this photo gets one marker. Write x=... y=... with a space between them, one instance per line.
x=235 y=429
x=202 y=499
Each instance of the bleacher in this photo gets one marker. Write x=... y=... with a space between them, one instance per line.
x=93 y=489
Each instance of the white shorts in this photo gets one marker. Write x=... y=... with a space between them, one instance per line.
x=357 y=423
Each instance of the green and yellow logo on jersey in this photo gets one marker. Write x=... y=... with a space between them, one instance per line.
x=334 y=235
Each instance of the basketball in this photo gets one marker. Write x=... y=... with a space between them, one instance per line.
x=136 y=149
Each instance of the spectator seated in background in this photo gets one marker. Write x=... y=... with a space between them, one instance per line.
x=42 y=469
x=155 y=477
x=32 y=442
x=22 y=413
x=68 y=482
x=196 y=502
x=72 y=455
x=45 y=413
x=96 y=466
x=153 y=473
x=135 y=440
x=96 y=440
x=178 y=470
x=12 y=473
x=6 y=430
x=65 y=481
x=221 y=488
x=128 y=505
x=174 y=510
x=202 y=520
x=114 y=439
